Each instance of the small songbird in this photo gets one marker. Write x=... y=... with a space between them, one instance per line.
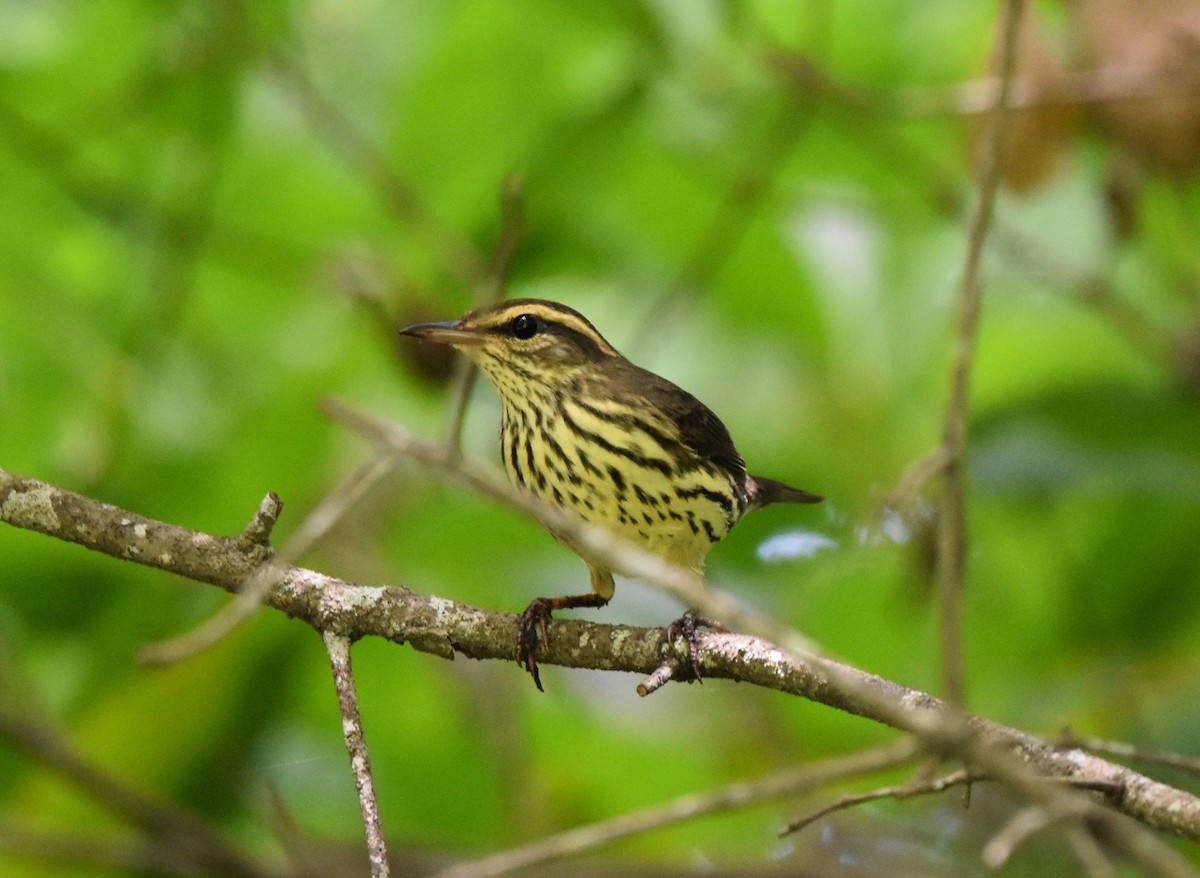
x=588 y=431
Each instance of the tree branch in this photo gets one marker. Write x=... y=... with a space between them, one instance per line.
x=688 y=807
x=194 y=844
x=443 y=627
x=356 y=745
x=952 y=537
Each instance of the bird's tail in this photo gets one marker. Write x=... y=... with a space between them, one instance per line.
x=768 y=491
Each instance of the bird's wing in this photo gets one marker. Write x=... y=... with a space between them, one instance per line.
x=697 y=428
x=703 y=432
x=694 y=423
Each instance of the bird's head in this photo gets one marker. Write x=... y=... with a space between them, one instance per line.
x=522 y=341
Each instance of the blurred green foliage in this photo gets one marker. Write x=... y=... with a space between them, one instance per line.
x=215 y=213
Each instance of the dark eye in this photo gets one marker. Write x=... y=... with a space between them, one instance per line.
x=524 y=326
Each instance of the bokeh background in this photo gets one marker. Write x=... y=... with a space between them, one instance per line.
x=214 y=214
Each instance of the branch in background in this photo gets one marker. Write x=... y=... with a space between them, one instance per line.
x=221 y=623
x=177 y=839
x=731 y=219
x=443 y=627
x=866 y=115
x=961 y=777
x=743 y=794
x=1096 y=86
x=512 y=212
x=504 y=251
x=330 y=123
x=1121 y=750
x=952 y=538
x=65 y=163
x=1026 y=823
x=74 y=849
x=1173 y=349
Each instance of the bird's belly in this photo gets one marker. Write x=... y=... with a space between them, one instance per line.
x=651 y=514
x=678 y=516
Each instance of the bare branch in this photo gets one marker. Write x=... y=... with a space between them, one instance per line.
x=190 y=839
x=739 y=795
x=1099 y=85
x=444 y=627
x=331 y=124
x=123 y=856
x=1026 y=822
x=952 y=537
x=1090 y=854
x=942 y=730
x=489 y=292
x=898 y=791
x=1122 y=750
x=356 y=745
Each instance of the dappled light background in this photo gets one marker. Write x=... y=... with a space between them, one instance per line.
x=214 y=214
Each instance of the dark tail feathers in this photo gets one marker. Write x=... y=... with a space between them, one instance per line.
x=768 y=491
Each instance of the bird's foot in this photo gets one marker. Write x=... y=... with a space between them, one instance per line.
x=687 y=626
x=534 y=629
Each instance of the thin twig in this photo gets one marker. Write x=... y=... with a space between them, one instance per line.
x=319 y=521
x=356 y=745
x=219 y=625
x=298 y=850
x=1123 y=750
x=865 y=113
x=1089 y=853
x=731 y=219
x=1025 y=823
x=489 y=292
x=512 y=225
x=1052 y=802
x=118 y=856
x=262 y=523
x=214 y=628
x=952 y=535
x=663 y=674
x=329 y=122
x=741 y=795
x=897 y=791
x=190 y=838
x=1099 y=85
x=921 y=787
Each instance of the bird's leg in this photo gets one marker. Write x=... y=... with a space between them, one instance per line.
x=534 y=628
x=686 y=626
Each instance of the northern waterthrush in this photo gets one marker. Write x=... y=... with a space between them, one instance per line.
x=588 y=431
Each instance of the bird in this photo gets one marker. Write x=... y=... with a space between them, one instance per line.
x=586 y=430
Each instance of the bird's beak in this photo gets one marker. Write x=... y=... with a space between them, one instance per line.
x=450 y=332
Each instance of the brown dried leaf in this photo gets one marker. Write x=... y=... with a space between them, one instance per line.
x=1036 y=137
x=1154 y=46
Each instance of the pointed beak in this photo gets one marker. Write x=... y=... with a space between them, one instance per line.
x=450 y=332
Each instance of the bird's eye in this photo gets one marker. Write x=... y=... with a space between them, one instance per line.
x=524 y=326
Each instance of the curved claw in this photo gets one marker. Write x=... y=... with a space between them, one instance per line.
x=533 y=630
x=687 y=626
